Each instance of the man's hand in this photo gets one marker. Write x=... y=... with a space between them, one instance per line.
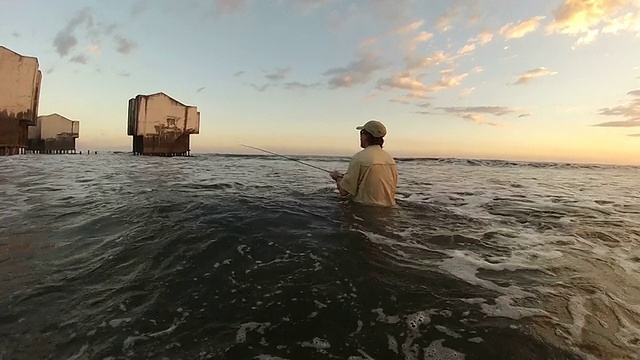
x=336 y=175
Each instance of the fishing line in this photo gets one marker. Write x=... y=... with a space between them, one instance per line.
x=288 y=158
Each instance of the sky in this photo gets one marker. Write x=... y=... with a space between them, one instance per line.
x=547 y=80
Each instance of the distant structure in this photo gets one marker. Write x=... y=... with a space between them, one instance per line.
x=53 y=134
x=20 y=81
x=160 y=125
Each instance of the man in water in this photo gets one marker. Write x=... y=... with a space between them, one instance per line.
x=372 y=176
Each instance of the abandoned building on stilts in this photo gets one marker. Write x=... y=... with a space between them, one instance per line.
x=160 y=125
x=20 y=81
x=53 y=134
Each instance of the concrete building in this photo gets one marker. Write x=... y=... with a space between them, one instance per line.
x=20 y=80
x=161 y=125
x=53 y=134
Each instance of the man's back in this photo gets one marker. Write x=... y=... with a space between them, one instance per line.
x=372 y=177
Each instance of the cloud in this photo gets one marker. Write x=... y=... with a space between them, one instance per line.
x=628 y=22
x=410 y=27
x=230 y=6
x=262 y=88
x=279 y=74
x=410 y=98
x=139 y=7
x=623 y=123
x=15 y=34
x=465 y=12
x=526 y=77
x=634 y=135
x=493 y=110
x=307 y=6
x=275 y=79
x=125 y=45
x=524 y=115
x=239 y=73
x=125 y=74
x=296 y=85
x=418 y=39
x=511 y=31
x=94 y=49
x=416 y=87
x=483 y=38
x=403 y=81
x=467 y=91
x=469 y=48
x=479 y=119
x=631 y=111
x=444 y=22
x=65 y=40
x=422 y=62
x=400 y=100
x=476 y=114
x=368 y=42
x=355 y=73
x=588 y=18
x=80 y=59
x=393 y=11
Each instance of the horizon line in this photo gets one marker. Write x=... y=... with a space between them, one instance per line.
x=584 y=163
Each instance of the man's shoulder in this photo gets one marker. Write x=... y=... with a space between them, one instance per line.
x=359 y=155
x=382 y=156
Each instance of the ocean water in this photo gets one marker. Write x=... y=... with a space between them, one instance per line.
x=112 y=256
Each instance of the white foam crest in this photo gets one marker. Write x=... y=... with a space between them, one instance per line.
x=385 y=318
x=80 y=354
x=628 y=329
x=413 y=322
x=131 y=340
x=383 y=240
x=465 y=267
x=504 y=308
x=474 y=300
x=409 y=349
x=416 y=319
x=578 y=312
x=447 y=331
x=364 y=356
x=393 y=344
x=241 y=334
x=268 y=357
x=117 y=322
x=166 y=331
x=318 y=343
x=436 y=351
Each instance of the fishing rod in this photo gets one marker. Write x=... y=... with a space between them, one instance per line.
x=288 y=158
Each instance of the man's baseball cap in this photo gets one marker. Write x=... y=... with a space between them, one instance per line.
x=374 y=127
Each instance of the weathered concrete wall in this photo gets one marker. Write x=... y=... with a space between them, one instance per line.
x=20 y=81
x=10 y=132
x=54 y=132
x=161 y=125
x=34 y=131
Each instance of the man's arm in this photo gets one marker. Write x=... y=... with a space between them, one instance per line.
x=335 y=175
x=348 y=183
